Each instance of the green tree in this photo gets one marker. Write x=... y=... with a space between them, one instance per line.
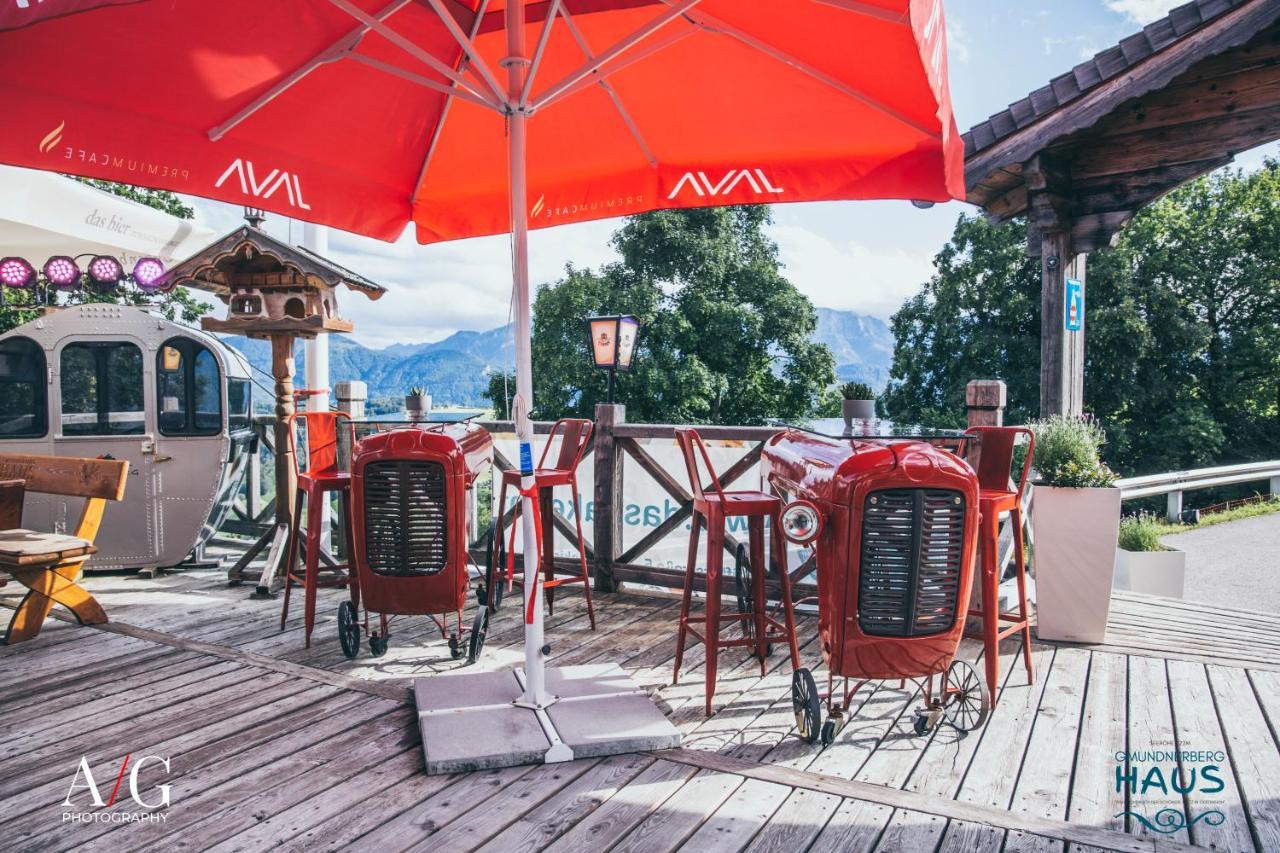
x=20 y=306
x=725 y=337
x=1182 y=359
x=978 y=317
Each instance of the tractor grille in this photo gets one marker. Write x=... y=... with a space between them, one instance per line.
x=912 y=548
x=405 y=517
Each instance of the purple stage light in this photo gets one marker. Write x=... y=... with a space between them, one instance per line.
x=62 y=272
x=147 y=273
x=16 y=272
x=105 y=270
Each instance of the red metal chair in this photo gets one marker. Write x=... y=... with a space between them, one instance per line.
x=319 y=477
x=995 y=459
x=712 y=508
x=575 y=434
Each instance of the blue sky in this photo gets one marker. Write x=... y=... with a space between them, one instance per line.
x=862 y=256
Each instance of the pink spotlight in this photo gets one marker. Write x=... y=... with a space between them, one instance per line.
x=62 y=272
x=16 y=272
x=147 y=273
x=105 y=270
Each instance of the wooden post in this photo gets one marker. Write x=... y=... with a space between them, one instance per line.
x=985 y=400
x=606 y=518
x=1050 y=221
x=282 y=370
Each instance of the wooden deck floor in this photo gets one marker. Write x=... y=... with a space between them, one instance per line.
x=276 y=746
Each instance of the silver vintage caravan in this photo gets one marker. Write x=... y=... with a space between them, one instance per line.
x=93 y=380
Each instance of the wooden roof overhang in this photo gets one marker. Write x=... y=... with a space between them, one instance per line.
x=1172 y=102
x=249 y=257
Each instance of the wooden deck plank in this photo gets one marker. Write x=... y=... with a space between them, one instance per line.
x=1250 y=730
x=797 y=823
x=1150 y=728
x=1103 y=732
x=504 y=808
x=298 y=706
x=667 y=828
x=731 y=827
x=467 y=793
x=909 y=831
x=855 y=827
x=1044 y=781
x=627 y=809
x=1198 y=729
x=541 y=826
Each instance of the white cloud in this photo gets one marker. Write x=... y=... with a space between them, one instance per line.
x=1142 y=11
x=850 y=275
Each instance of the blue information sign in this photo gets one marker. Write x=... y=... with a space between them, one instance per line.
x=1073 y=315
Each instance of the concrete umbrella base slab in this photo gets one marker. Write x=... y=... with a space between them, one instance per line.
x=471 y=721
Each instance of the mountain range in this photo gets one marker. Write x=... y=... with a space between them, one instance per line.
x=455 y=370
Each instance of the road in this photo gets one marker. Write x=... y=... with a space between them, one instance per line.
x=1233 y=564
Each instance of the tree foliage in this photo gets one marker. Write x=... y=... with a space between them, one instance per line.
x=1182 y=360
x=20 y=306
x=725 y=338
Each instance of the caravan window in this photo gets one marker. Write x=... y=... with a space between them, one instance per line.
x=101 y=385
x=239 y=403
x=188 y=389
x=24 y=401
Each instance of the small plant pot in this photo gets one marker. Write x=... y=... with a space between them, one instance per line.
x=1074 y=560
x=417 y=406
x=1161 y=573
x=862 y=410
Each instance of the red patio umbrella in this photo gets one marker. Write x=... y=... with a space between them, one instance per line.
x=472 y=117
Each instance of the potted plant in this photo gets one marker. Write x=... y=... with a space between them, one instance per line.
x=859 y=402
x=1143 y=564
x=417 y=403
x=1075 y=514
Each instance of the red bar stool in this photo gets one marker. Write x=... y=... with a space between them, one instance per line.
x=320 y=477
x=995 y=459
x=575 y=433
x=712 y=508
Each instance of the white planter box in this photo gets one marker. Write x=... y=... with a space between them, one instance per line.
x=1151 y=572
x=1074 y=561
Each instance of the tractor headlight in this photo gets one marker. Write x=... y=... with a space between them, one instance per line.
x=801 y=522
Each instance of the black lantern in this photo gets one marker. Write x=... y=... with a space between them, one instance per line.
x=613 y=343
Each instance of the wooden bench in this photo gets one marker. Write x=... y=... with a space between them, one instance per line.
x=49 y=564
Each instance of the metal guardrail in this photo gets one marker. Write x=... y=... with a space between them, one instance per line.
x=1175 y=483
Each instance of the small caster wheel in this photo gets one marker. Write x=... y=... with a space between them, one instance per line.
x=377 y=645
x=828 y=732
x=921 y=723
x=806 y=705
x=479 y=628
x=455 y=648
x=966 y=702
x=348 y=629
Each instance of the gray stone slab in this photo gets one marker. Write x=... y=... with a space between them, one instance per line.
x=479 y=739
x=465 y=690
x=469 y=723
x=589 y=680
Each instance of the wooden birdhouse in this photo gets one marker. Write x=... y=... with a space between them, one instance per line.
x=269 y=286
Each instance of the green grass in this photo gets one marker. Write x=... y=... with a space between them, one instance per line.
x=1241 y=512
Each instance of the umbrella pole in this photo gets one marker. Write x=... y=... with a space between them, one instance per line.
x=517 y=63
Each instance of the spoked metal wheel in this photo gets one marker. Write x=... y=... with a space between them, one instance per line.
x=493 y=581
x=348 y=629
x=743 y=590
x=806 y=704
x=479 y=628
x=966 y=702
